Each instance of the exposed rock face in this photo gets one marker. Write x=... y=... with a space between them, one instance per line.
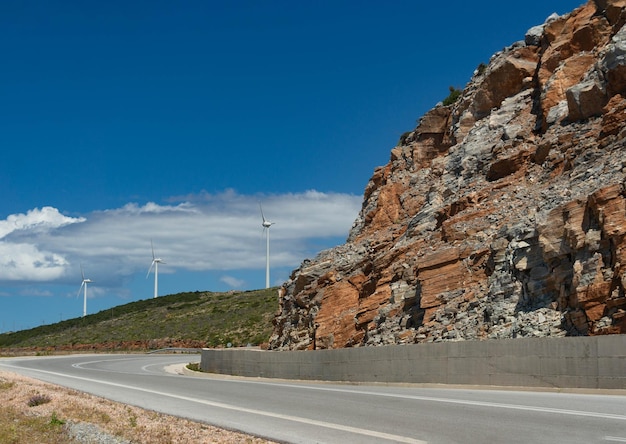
x=500 y=216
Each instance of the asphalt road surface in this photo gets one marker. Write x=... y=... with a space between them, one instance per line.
x=305 y=412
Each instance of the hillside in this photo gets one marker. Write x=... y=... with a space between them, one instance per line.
x=199 y=319
x=501 y=215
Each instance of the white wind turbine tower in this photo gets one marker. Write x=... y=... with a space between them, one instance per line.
x=84 y=285
x=155 y=263
x=266 y=227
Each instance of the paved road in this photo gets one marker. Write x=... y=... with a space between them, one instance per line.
x=299 y=412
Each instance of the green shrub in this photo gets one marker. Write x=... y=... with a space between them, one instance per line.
x=36 y=400
x=453 y=97
x=403 y=137
x=56 y=421
x=194 y=366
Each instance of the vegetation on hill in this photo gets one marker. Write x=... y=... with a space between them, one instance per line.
x=198 y=319
x=454 y=95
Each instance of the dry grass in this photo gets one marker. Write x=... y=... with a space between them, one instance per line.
x=21 y=423
x=17 y=427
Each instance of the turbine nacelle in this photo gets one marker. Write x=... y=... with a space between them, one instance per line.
x=266 y=223
x=84 y=281
x=154 y=265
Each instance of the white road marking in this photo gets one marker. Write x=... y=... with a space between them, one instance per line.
x=81 y=365
x=371 y=433
x=614 y=439
x=466 y=402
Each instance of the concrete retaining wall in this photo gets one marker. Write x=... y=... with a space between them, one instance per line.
x=578 y=362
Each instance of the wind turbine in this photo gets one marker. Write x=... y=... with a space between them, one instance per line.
x=266 y=227
x=84 y=284
x=155 y=263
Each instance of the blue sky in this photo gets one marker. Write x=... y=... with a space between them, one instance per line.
x=123 y=123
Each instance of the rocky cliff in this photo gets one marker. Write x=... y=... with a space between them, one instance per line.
x=502 y=215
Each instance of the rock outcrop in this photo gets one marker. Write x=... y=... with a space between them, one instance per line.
x=502 y=215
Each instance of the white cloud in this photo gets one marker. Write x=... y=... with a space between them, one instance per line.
x=205 y=232
x=151 y=207
x=25 y=262
x=233 y=282
x=36 y=220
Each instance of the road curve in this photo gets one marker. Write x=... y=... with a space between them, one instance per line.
x=306 y=412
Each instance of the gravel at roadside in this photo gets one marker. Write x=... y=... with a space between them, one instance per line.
x=86 y=433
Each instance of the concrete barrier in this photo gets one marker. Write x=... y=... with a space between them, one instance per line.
x=573 y=362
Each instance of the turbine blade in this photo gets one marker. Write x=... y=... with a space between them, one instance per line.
x=152 y=245
x=150 y=269
x=81 y=287
x=262 y=216
x=82 y=273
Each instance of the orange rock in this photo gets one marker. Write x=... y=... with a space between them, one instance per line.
x=490 y=220
x=612 y=120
